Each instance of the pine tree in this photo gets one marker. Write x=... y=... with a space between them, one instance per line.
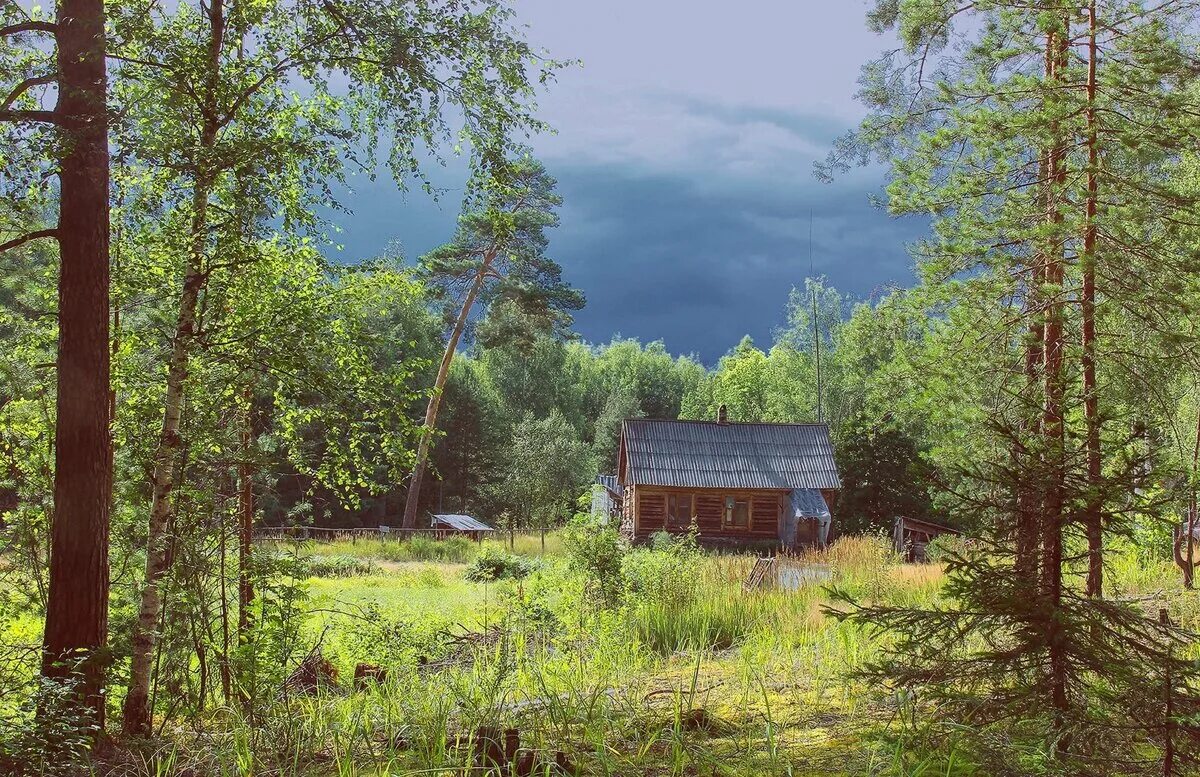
x=498 y=253
x=1024 y=151
x=76 y=631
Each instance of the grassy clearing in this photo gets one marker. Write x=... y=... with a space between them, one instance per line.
x=452 y=549
x=689 y=675
x=694 y=677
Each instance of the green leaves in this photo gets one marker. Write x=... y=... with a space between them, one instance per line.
x=342 y=401
x=548 y=465
x=501 y=238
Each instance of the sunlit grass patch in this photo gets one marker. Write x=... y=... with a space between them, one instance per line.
x=528 y=544
x=686 y=674
x=412 y=589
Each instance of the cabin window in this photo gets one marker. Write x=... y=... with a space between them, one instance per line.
x=679 y=511
x=737 y=513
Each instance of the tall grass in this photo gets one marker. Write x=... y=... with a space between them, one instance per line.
x=716 y=621
x=451 y=550
x=707 y=609
x=690 y=676
x=528 y=544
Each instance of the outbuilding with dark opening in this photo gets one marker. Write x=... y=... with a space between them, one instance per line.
x=449 y=524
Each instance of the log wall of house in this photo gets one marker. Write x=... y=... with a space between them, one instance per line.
x=646 y=513
x=628 y=497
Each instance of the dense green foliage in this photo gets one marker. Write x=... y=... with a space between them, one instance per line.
x=1035 y=158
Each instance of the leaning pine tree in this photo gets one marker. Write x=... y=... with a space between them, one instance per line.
x=1016 y=128
x=498 y=253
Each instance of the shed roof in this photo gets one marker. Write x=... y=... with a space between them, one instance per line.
x=611 y=482
x=460 y=522
x=707 y=454
x=808 y=503
x=922 y=524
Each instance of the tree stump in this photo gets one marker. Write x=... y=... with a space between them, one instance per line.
x=366 y=674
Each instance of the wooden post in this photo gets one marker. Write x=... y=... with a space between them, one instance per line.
x=1168 y=726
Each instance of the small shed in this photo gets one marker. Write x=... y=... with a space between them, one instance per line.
x=606 y=496
x=449 y=524
x=911 y=535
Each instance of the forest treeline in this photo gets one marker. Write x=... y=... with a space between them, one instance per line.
x=545 y=413
x=329 y=446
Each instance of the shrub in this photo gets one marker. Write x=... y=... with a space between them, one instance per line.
x=456 y=549
x=942 y=547
x=653 y=576
x=661 y=541
x=688 y=542
x=429 y=577
x=492 y=564
x=390 y=639
x=56 y=744
x=340 y=566
x=422 y=548
x=665 y=572
x=595 y=551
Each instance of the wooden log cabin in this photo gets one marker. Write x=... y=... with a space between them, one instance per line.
x=743 y=484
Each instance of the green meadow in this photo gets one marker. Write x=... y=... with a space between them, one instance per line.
x=668 y=668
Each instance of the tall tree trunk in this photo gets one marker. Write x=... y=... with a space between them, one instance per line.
x=226 y=680
x=1052 y=420
x=77 y=602
x=245 y=535
x=1092 y=519
x=1029 y=496
x=1188 y=561
x=245 y=524
x=412 y=500
x=137 y=712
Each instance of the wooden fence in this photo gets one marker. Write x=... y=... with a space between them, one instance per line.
x=322 y=534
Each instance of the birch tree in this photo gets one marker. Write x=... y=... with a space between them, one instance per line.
x=238 y=110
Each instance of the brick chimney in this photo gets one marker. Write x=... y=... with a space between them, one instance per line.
x=722 y=415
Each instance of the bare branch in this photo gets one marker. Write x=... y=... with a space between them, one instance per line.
x=23 y=239
x=47 y=117
x=30 y=26
x=25 y=86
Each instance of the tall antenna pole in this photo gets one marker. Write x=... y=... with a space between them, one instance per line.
x=816 y=324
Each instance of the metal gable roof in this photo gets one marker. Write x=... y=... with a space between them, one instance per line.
x=460 y=522
x=705 y=454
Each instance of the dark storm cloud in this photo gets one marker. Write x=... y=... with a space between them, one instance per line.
x=684 y=152
x=661 y=259
x=696 y=249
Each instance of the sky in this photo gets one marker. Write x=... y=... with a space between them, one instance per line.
x=684 y=154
